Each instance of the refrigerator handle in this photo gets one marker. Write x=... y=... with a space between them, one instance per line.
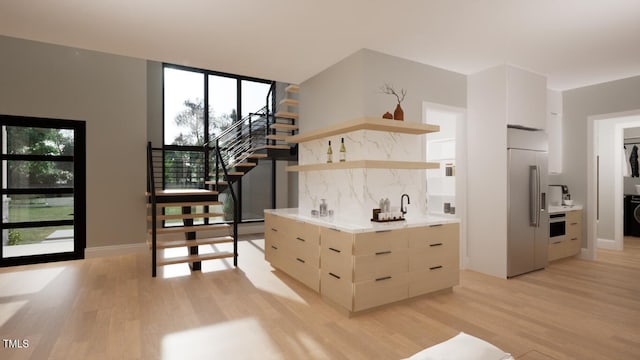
x=533 y=195
x=539 y=205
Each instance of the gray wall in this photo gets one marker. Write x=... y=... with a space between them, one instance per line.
x=422 y=83
x=578 y=105
x=351 y=89
x=333 y=95
x=109 y=93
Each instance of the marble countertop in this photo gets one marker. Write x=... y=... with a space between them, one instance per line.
x=563 y=208
x=365 y=226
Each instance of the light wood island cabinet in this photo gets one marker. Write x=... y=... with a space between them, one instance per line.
x=363 y=270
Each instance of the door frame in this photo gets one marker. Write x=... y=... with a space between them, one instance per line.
x=79 y=187
x=623 y=120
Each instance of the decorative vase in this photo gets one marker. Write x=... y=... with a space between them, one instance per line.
x=387 y=115
x=398 y=114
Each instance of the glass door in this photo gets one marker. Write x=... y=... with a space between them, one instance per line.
x=43 y=190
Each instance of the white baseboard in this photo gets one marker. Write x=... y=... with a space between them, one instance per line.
x=115 y=250
x=607 y=244
x=128 y=249
x=247 y=229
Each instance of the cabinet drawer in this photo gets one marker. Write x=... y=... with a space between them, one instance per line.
x=574 y=246
x=371 y=267
x=341 y=241
x=574 y=217
x=336 y=262
x=304 y=232
x=337 y=289
x=437 y=253
x=383 y=290
x=434 y=279
x=273 y=222
x=424 y=237
x=304 y=248
x=272 y=252
x=557 y=250
x=379 y=241
x=303 y=271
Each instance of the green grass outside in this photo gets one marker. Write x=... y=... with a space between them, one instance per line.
x=36 y=235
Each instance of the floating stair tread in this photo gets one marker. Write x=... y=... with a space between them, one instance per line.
x=292 y=88
x=257 y=156
x=233 y=173
x=194 y=258
x=219 y=182
x=194 y=228
x=277 y=137
x=188 y=243
x=186 y=216
x=286 y=115
x=280 y=126
x=274 y=147
x=187 y=203
x=244 y=164
x=174 y=192
x=289 y=102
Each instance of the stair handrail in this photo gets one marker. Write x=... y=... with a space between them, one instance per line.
x=234 y=126
x=270 y=95
x=235 y=205
x=151 y=187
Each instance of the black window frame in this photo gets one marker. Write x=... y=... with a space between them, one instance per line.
x=78 y=190
x=205 y=150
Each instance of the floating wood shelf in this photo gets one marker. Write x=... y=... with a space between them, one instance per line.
x=365 y=164
x=402 y=127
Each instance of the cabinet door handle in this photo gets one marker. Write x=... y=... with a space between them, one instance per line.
x=383 y=252
x=436 y=244
x=383 y=278
x=575 y=238
x=272 y=229
x=557 y=242
x=274 y=247
x=435 y=225
x=336 y=250
x=382 y=231
x=302 y=261
x=334 y=275
x=299 y=238
x=435 y=267
x=575 y=223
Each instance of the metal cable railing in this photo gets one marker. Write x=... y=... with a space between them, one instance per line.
x=151 y=188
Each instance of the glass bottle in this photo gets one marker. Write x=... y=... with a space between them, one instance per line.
x=329 y=153
x=343 y=151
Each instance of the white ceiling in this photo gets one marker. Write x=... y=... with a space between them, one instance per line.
x=573 y=42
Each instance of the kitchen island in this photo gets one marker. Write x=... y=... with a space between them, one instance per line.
x=362 y=265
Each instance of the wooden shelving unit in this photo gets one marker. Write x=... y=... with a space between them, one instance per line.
x=366 y=164
x=377 y=124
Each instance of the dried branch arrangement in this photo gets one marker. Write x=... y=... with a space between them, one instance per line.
x=388 y=89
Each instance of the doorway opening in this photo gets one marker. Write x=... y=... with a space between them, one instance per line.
x=446 y=186
x=607 y=167
x=43 y=190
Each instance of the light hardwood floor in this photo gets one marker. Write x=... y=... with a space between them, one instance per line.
x=111 y=308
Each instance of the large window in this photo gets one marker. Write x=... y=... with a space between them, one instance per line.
x=198 y=106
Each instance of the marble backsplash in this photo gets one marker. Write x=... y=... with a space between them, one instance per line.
x=353 y=193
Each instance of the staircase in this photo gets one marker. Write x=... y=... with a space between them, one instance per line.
x=259 y=136
x=185 y=218
x=194 y=218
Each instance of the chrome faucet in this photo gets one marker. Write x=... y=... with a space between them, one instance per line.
x=403 y=209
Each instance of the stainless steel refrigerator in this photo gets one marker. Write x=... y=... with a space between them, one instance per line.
x=528 y=218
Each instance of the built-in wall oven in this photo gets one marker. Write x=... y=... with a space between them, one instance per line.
x=557 y=227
